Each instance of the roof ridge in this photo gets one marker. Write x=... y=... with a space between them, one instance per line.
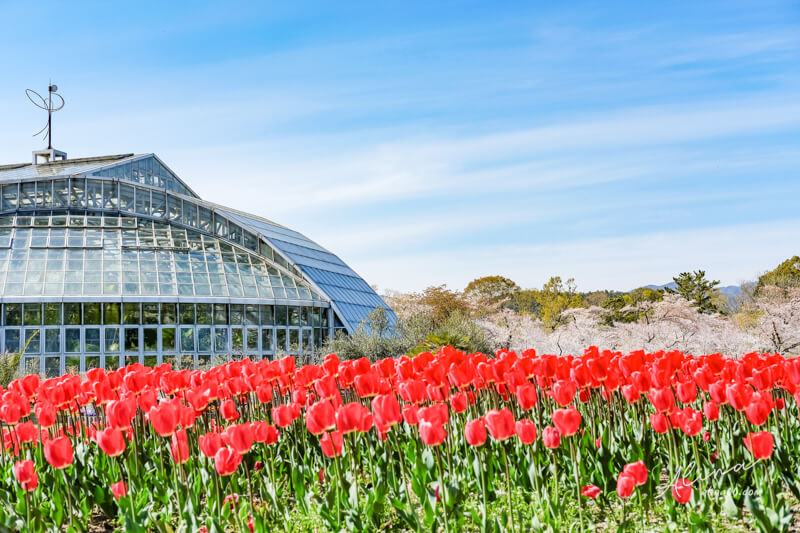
x=65 y=162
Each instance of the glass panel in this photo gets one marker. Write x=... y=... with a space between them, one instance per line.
x=111 y=362
x=267 y=315
x=12 y=341
x=221 y=340
x=149 y=314
x=168 y=313
x=131 y=339
x=33 y=339
x=266 y=340
x=220 y=314
x=52 y=367
x=52 y=340
x=294 y=340
x=72 y=364
x=251 y=315
x=33 y=314
x=91 y=362
x=187 y=314
x=204 y=339
x=131 y=314
x=167 y=339
x=203 y=314
x=187 y=339
x=280 y=340
x=92 y=340
x=252 y=339
x=280 y=315
x=294 y=316
x=237 y=340
x=237 y=314
x=52 y=314
x=150 y=339
x=13 y=315
x=111 y=313
x=111 y=339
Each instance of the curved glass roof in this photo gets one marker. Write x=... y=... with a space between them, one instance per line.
x=141 y=214
x=71 y=255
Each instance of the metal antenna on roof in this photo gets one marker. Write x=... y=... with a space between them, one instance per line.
x=48 y=106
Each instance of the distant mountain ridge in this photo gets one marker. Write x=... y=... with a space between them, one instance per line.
x=730 y=291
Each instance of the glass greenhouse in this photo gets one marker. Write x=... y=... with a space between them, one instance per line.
x=113 y=260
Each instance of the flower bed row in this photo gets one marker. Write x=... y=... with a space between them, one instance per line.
x=441 y=441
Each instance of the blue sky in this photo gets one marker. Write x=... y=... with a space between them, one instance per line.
x=617 y=143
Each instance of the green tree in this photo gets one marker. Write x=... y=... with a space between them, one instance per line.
x=703 y=293
x=786 y=275
x=443 y=302
x=631 y=307
x=525 y=301
x=554 y=299
x=494 y=291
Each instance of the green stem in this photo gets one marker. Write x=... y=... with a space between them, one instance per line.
x=577 y=478
x=442 y=490
x=69 y=498
x=508 y=488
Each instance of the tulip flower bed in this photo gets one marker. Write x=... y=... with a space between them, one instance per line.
x=439 y=442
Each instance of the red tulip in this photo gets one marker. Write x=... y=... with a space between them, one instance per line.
x=711 y=410
x=631 y=393
x=682 y=491
x=475 y=432
x=210 y=443
x=686 y=391
x=120 y=413
x=179 y=447
x=320 y=417
x=526 y=396
x=239 y=437
x=591 y=491
x=386 y=410
x=458 y=402
x=58 y=452
x=228 y=411
x=265 y=433
x=662 y=399
x=350 y=417
x=563 y=392
x=264 y=393
x=760 y=444
x=659 y=422
x=432 y=434
x=500 y=423
x=566 y=421
x=332 y=443
x=164 y=418
x=27 y=432
x=119 y=489
x=526 y=431
x=692 y=422
x=410 y=415
x=45 y=413
x=638 y=471
x=738 y=395
x=111 y=441
x=26 y=475
x=625 y=485
x=551 y=437
x=759 y=409
x=226 y=461
x=282 y=415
